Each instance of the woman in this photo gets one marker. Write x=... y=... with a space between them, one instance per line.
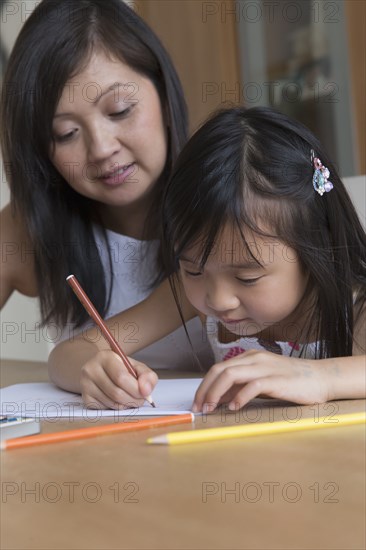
x=93 y=117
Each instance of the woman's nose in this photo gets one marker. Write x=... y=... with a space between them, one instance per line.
x=103 y=144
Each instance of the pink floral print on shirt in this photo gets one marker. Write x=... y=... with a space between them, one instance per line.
x=234 y=352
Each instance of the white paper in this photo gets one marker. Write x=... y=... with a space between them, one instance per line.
x=44 y=400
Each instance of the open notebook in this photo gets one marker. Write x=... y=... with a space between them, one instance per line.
x=44 y=400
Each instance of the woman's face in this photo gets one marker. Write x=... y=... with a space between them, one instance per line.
x=110 y=137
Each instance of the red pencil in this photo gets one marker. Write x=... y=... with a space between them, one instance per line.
x=80 y=293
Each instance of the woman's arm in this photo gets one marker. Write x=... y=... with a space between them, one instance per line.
x=17 y=257
x=86 y=364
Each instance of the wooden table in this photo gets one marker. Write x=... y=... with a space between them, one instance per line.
x=304 y=490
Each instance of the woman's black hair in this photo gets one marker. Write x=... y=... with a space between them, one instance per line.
x=54 y=44
x=252 y=168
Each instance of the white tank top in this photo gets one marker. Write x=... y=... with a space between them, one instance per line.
x=224 y=351
x=134 y=268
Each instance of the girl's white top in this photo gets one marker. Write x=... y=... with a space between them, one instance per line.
x=133 y=267
x=224 y=351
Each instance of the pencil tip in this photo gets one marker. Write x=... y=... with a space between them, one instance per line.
x=149 y=400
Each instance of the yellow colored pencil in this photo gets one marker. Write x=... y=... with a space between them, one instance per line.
x=266 y=428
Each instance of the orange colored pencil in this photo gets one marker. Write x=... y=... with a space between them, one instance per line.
x=90 y=308
x=84 y=433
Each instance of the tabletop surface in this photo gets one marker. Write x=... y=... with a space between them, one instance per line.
x=304 y=490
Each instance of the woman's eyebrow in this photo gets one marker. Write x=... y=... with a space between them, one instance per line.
x=250 y=264
x=95 y=102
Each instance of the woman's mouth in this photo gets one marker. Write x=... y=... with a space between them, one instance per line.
x=119 y=175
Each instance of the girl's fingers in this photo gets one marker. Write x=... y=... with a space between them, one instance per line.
x=223 y=383
x=120 y=388
x=257 y=373
x=108 y=381
x=122 y=378
x=270 y=387
x=95 y=398
x=224 y=375
x=147 y=378
x=228 y=396
x=211 y=376
x=92 y=403
x=109 y=396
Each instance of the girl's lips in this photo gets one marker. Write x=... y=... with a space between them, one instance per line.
x=232 y=321
x=119 y=175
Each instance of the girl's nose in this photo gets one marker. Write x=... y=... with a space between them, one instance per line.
x=220 y=298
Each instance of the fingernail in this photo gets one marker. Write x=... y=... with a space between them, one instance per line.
x=208 y=407
x=147 y=388
x=194 y=408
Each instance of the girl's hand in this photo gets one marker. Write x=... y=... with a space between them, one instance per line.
x=261 y=373
x=106 y=383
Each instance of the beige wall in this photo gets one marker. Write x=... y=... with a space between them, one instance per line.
x=201 y=37
x=203 y=49
x=356 y=26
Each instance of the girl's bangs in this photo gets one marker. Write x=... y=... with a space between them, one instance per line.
x=246 y=219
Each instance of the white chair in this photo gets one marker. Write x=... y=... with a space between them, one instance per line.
x=356 y=187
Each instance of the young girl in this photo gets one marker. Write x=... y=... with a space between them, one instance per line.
x=263 y=239
x=93 y=118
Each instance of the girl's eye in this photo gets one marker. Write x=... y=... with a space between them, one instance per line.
x=192 y=273
x=248 y=281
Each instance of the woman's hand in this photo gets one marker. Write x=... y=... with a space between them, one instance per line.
x=106 y=383
x=261 y=373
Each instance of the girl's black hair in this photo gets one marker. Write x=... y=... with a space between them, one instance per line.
x=252 y=168
x=54 y=44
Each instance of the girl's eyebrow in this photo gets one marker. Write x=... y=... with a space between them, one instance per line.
x=249 y=264
x=185 y=259
x=95 y=102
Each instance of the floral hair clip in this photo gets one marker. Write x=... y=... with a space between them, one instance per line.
x=320 y=177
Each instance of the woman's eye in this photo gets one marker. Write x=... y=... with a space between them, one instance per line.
x=65 y=137
x=121 y=114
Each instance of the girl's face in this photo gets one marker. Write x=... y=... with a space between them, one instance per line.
x=246 y=298
x=110 y=137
